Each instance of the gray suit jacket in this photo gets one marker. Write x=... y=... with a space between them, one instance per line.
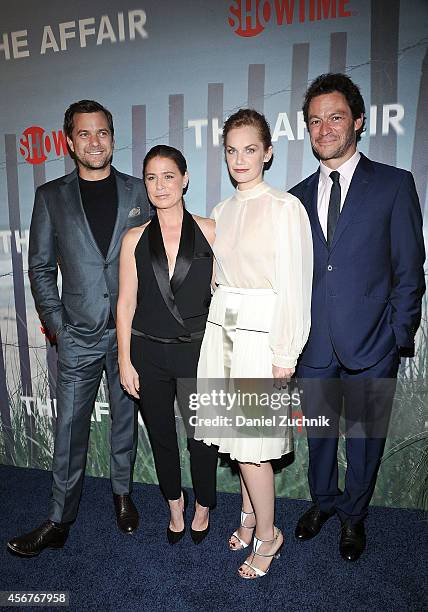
x=60 y=236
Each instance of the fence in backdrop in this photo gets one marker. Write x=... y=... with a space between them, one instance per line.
x=171 y=72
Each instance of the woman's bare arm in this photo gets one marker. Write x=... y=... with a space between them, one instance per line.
x=207 y=227
x=126 y=304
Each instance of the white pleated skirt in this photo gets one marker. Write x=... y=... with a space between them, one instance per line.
x=236 y=347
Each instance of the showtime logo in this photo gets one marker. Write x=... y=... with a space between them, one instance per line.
x=250 y=17
x=36 y=144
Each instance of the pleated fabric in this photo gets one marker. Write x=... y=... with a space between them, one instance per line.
x=236 y=347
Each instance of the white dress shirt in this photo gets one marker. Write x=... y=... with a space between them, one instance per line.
x=325 y=183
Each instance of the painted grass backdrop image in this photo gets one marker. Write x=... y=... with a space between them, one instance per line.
x=171 y=72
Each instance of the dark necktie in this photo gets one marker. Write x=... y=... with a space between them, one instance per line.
x=333 y=206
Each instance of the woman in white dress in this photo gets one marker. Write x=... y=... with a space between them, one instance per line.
x=259 y=317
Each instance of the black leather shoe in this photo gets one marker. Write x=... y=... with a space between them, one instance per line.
x=126 y=513
x=352 y=541
x=310 y=523
x=48 y=535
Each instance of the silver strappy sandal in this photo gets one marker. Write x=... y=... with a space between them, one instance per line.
x=256 y=545
x=242 y=543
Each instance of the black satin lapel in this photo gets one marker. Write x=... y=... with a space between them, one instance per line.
x=185 y=252
x=160 y=267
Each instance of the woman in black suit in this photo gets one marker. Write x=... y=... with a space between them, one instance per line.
x=165 y=277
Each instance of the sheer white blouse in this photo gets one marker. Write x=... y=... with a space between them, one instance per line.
x=263 y=240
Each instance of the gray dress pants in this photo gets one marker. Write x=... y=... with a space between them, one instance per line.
x=79 y=375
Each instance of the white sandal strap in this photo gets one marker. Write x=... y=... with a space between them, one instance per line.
x=257 y=543
x=242 y=543
x=258 y=571
x=235 y=533
x=243 y=517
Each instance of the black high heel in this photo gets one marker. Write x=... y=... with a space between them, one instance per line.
x=176 y=536
x=198 y=536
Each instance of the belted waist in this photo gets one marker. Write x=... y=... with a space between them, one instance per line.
x=245 y=290
x=190 y=337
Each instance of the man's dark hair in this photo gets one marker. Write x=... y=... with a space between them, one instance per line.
x=331 y=82
x=85 y=106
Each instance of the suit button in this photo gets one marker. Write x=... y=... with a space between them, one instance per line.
x=329 y=268
x=105 y=266
x=106 y=295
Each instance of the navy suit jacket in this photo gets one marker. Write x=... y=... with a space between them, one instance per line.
x=368 y=287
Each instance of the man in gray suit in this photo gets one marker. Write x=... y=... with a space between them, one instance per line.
x=77 y=224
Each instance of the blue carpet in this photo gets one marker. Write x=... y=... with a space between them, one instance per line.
x=105 y=570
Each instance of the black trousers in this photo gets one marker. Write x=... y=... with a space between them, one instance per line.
x=167 y=371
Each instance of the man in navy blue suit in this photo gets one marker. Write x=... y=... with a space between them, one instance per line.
x=366 y=304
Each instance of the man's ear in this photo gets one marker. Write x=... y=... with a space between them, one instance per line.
x=70 y=144
x=358 y=123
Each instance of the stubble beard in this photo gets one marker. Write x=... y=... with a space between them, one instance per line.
x=341 y=150
x=86 y=163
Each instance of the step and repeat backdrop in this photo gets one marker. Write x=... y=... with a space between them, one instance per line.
x=171 y=72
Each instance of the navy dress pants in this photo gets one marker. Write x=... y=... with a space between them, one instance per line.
x=366 y=397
